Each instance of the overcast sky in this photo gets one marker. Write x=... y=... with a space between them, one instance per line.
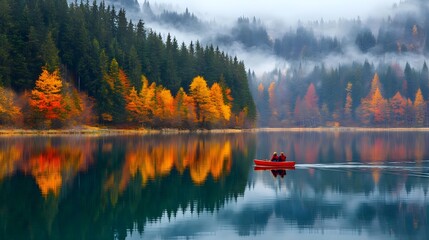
x=277 y=16
x=287 y=10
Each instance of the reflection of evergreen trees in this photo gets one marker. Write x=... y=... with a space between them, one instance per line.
x=105 y=201
x=350 y=198
x=93 y=207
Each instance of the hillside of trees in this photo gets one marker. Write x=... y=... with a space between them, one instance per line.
x=67 y=64
x=314 y=89
x=388 y=95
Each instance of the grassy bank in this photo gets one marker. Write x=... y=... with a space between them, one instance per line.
x=87 y=130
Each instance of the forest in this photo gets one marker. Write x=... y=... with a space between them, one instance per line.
x=349 y=95
x=67 y=64
x=331 y=69
x=70 y=63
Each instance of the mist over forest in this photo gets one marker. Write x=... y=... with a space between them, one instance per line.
x=284 y=58
x=267 y=64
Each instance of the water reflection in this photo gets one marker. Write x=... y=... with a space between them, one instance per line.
x=197 y=185
x=100 y=187
x=320 y=147
x=55 y=161
x=52 y=162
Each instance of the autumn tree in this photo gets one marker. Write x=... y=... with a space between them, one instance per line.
x=379 y=107
x=147 y=98
x=164 y=110
x=141 y=105
x=373 y=108
x=311 y=112
x=204 y=108
x=134 y=106
x=46 y=97
x=9 y=112
x=222 y=111
x=185 y=113
x=375 y=83
x=419 y=108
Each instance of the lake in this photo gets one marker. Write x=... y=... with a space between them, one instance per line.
x=346 y=185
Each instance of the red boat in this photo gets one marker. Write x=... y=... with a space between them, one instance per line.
x=267 y=163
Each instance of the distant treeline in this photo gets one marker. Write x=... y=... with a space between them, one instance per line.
x=404 y=32
x=349 y=95
x=96 y=51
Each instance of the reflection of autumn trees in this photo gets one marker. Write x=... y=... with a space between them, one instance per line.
x=203 y=158
x=107 y=195
x=51 y=165
x=54 y=163
x=10 y=155
x=46 y=169
x=312 y=147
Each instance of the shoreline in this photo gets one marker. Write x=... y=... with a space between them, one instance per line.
x=344 y=129
x=95 y=131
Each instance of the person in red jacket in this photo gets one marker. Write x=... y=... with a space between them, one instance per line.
x=275 y=158
x=282 y=157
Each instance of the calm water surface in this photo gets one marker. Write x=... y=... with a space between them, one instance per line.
x=200 y=186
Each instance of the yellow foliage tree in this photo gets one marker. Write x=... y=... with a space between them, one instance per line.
x=147 y=96
x=185 y=113
x=204 y=108
x=217 y=100
x=419 y=108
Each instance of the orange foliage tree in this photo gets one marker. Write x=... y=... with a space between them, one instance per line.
x=379 y=107
x=374 y=108
x=141 y=106
x=164 y=110
x=134 y=106
x=419 y=108
x=46 y=97
x=311 y=112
